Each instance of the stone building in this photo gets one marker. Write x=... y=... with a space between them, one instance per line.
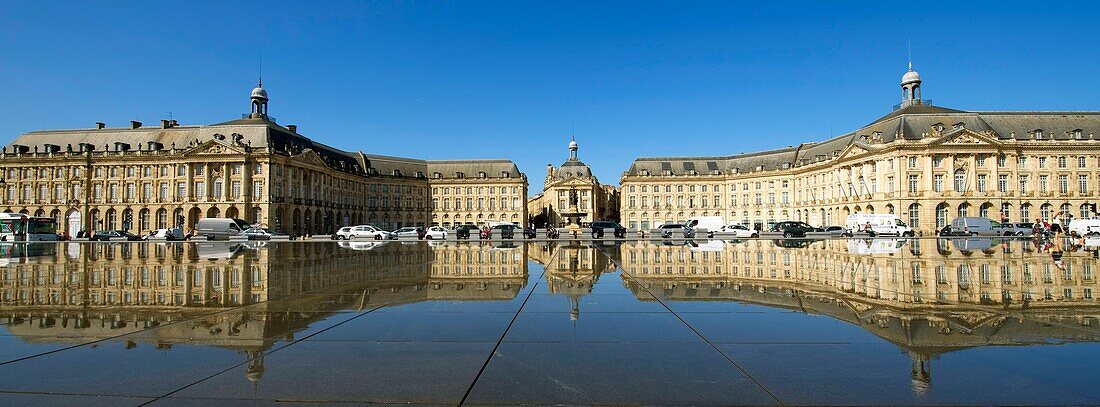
x=927 y=164
x=594 y=201
x=140 y=178
x=477 y=192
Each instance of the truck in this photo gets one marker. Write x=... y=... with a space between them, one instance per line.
x=881 y=224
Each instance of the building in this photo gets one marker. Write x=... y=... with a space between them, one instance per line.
x=140 y=178
x=573 y=180
x=477 y=192
x=927 y=164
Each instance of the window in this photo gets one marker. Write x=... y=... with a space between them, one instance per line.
x=1021 y=161
x=1080 y=162
x=1063 y=184
x=980 y=160
x=981 y=182
x=1042 y=162
x=914 y=215
x=937 y=161
x=1023 y=184
x=912 y=162
x=181 y=191
x=257 y=189
x=181 y=170
x=1062 y=161
x=941 y=216
x=1043 y=183
x=912 y=183
x=1002 y=161
x=200 y=190
x=937 y=183
x=235 y=190
x=199 y=169
x=1083 y=183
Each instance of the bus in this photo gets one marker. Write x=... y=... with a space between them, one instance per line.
x=16 y=227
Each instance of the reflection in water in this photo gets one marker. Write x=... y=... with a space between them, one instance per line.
x=927 y=297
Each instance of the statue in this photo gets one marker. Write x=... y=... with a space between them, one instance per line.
x=572 y=198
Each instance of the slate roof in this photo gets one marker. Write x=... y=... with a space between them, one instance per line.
x=912 y=122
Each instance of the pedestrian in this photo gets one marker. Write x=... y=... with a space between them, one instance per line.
x=1056 y=224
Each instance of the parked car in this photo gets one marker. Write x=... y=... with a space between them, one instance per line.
x=1020 y=229
x=506 y=231
x=342 y=233
x=599 y=227
x=114 y=235
x=974 y=226
x=835 y=230
x=409 y=231
x=791 y=228
x=220 y=228
x=739 y=230
x=436 y=233
x=363 y=231
x=463 y=231
x=944 y=231
x=529 y=233
x=167 y=234
x=669 y=228
x=260 y=234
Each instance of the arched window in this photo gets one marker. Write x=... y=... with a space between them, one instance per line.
x=964 y=209
x=914 y=215
x=941 y=215
x=960 y=180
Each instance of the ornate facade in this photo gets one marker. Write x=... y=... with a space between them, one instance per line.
x=477 y=192
x=140 y=178
x=925 y=163
x=573 y=180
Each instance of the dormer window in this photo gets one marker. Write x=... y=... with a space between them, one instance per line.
x=668 y=172
x=645 y=173
x=958 y=126
x=715 y=172
x=420 y=174
x=1079 y=134
x=460 y=175
x=760 y=168
x=692 y=172
x=481 y=174
x=397 y=173
x=1038 y=134
x=938 y=127
x=505 y=174
x=437 y=175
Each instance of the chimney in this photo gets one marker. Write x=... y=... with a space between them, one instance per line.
x=293 y=128
x=100 y=125
x=164 y=124
x=134 y=124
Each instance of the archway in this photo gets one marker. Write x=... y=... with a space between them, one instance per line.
x=193 y=217
x=232 y=212
x=213 y=212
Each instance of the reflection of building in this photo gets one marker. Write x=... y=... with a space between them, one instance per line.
x=571 y=269
x=140 y=178
x=925 y=299
x=925 y=163
x=573 y=180
x=193 y=293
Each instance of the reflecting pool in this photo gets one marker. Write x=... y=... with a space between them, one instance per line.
x=880 y=321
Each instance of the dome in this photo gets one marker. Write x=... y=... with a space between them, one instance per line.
x=259 y=93
x=573 y=145
x=910 y=76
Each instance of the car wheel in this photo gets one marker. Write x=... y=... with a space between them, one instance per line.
x=428 y=237
x=787 y=235
x=377 y=237
x=754 y=235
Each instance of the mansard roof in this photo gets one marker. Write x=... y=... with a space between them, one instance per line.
x=914 y=122
x=494 y=168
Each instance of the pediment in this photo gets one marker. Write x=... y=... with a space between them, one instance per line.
x=967 y=138
x=213 y=147
x=310 y=157
x=856 y=149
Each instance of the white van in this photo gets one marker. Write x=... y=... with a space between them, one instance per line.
x=881 y=224
x=710 y=223
x=1084 y=227
x=220 y=228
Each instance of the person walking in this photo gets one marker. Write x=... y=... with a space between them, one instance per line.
x=1056 y=224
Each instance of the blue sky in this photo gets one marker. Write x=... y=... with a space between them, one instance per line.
x=511 y=79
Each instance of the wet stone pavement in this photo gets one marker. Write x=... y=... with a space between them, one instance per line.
x=761 y=322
